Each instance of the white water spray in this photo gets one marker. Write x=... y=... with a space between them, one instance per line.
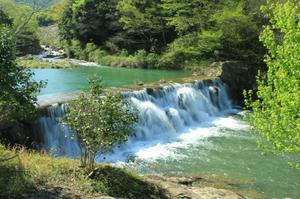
x=164 y=114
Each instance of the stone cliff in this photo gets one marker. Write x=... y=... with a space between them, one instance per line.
x=238 y=75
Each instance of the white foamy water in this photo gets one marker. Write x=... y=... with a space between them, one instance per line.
x=189 y=129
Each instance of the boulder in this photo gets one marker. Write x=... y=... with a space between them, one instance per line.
x=238 y=75
x=17 y=132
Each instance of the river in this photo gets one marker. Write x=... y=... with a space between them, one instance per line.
x=183 y=129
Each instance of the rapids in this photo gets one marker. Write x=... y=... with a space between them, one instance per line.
x=189 y=129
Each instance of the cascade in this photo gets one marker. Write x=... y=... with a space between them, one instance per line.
x=164 y=113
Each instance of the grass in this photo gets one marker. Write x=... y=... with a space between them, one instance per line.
x=42 y=64
x=28 y=173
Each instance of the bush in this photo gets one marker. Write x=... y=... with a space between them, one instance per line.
x=100 y=124
x=152 y=60
x=97 y=55
x=124 y=53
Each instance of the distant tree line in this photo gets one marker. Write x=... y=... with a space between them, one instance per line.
x=151 y=34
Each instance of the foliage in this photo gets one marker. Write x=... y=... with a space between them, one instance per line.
x=20 y=14
x=100 y=124
x=96 y=54
x=23 y=23
x=58 y=9
x=148 y=20
x=42 y=64
x=170 y=31
x=276 y=113
x=223 y=27
x=119 y=183
x=4 y=19
x=45 y=17
x=16 y=84
x=90 y=20
x=140 y=60
x=34 y=3
x=43 y=170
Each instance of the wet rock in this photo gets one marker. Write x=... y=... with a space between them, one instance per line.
x=238 y=75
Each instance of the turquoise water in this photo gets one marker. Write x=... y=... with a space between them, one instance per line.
x=225 y=153
x=75 y=79
x=216 y=145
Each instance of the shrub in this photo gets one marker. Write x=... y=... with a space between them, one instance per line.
x=100 y=124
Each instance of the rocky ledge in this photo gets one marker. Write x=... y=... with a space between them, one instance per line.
x=182 y=187
x=176 y=187
x=238 y=75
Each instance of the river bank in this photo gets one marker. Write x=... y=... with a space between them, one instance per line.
x=37 y=175
x=207 y=143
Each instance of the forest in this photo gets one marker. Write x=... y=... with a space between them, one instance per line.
x=172 y=34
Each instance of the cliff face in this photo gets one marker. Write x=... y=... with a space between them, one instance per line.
x=238 y=75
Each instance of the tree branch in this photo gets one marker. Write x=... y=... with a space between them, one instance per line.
x=36 y=9
x=2 y=160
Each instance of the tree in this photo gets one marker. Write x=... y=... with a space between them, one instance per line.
x=100 y=123
x=58 y=9
x=17 y=101
x=205 y=26
x=276 y=113
x=24 y=26
x=89 y=21
x=148 y=20
x=4 y=19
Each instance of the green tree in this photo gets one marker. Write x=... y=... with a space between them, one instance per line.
x=100 y=123
x=147 y=19
x=24 y=25
x=276 y=113
x=89 y=21
x=45 y=17
x=17 y=101
x=4 y=19
x=207 y=26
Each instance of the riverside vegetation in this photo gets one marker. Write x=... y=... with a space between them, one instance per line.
x=42 y=64
x=33 y=173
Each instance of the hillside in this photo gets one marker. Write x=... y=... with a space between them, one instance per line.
x=49 y=36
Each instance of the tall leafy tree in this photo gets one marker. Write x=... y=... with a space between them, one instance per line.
x=24 y=25
x=17 y=87
x=276 y=114
x=148 y=20
x=188 y=15
x=206 y=26
x=89 y=21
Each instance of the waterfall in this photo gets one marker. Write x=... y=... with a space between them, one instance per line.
x=164 y=113
x=49 y=133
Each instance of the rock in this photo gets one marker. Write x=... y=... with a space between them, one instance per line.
x=211 y=192
x=238 y=75
x=214 y=90
x=150 y=91
x=30 y=57
x=181 y=187
x=18 y=133
x=33 y=50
